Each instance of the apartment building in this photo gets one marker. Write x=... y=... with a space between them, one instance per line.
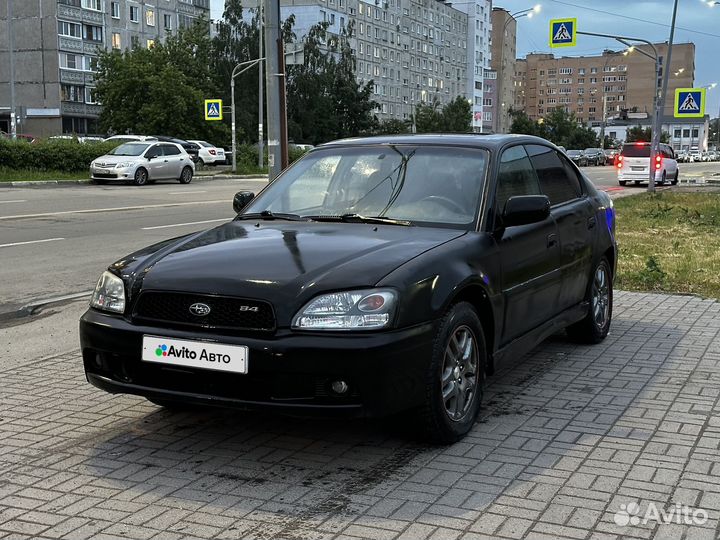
x=414 y=51
x=603 y=86
x=53 y=45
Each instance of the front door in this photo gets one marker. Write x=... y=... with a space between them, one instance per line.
x=529 y=254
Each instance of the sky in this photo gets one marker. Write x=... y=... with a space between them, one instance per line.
x=696 y=22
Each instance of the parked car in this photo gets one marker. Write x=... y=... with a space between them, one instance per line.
x=193 y=149
x=209 y=154
x=577 y=157
x=594 y=156
x=610 y=155
x=683 y=156
x=143 y=162
x=373 y=276
x=695 y=155
x=130 y=138
x=633 y=164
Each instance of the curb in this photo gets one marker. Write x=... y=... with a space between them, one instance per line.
x=59 y=183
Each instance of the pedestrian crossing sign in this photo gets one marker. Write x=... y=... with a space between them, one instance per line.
x=563 y=32
x=213 y=109
x=689 y=103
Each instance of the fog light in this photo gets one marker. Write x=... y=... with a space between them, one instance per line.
x=339 y=387
x=98 y=360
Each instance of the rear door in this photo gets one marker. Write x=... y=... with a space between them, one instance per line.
x=669 y=162
x=529 y=254
x=574 y=215
x=173 y=159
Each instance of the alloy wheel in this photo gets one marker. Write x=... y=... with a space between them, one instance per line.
x=460 y=373
x=601 y=296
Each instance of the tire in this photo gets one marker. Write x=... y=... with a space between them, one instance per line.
x=622 y=182
x=186 y=175
x=595 y=326
x=663 y=179
x=638 y=182
x=674 y=181
x=458 y=354
x=141 y=177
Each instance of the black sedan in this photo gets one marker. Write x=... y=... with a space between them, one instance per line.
x=373 y=276
x=578 y=157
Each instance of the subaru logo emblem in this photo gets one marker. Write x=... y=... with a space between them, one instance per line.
x=199 y=309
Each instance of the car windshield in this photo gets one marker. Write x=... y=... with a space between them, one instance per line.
x=593 y=150
x=429 y=185
x=574 y=153
x=130 y=149
x=636 y=150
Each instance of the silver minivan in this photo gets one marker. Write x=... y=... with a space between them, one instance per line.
x=142 y=162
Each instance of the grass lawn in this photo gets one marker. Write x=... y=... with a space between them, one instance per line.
x=25 y=175
x=669 y=242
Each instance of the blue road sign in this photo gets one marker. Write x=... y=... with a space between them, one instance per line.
x=213 y=109
x=689 y=103
x=563 y=32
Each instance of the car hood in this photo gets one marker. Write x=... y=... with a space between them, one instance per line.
x=284 y=262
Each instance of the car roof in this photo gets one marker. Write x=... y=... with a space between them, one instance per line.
x=489 y=142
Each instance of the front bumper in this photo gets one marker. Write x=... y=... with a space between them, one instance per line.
x=385 y=371
x=102 y=173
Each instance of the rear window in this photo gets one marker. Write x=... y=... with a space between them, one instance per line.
x=634 y=150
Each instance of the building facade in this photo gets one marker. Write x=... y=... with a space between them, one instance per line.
x=502 y=61
x=54 y=46
x=597 y=88
x=413 y=51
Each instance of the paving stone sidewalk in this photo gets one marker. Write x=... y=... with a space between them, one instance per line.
x=575 y=442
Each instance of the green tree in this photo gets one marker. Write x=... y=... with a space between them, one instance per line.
x=523 y=125
x=324 y=99
x=564 y=129
x=392 y=126
x=160 y=90
x=639 y=134
x=457 y=116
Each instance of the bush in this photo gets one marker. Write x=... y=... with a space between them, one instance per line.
x=51 y=155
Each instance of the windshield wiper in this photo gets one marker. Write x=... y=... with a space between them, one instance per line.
x=357 y=218
x=270 y=216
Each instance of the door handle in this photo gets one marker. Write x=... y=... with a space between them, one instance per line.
x=591 y=222
x=551 y=240
x=166 y=161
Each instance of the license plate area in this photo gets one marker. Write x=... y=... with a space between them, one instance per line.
x=195 y=354
x=637 y=168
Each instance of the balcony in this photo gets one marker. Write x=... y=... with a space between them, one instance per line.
x=81 y=109
x=69 y=12
x=70 y=44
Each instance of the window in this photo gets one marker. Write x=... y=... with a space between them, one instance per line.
x=69 y=29
x=150 y=43
x=72 y=92
x=695 y=133
x=95 y=5
x=557 y=179
x=92 y=33
x=134 y=41
x=593 y=70
x=74 y=3
x=134 y=14
x=116 y=42
x=115 y=10
x=565 y=71
x=150 y=17
x=90 y=95
x=515 y=177
x=69 y=61
x=170 y=149
x=487 y=102
x=167 y=21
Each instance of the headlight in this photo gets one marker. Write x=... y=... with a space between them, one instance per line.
x=123 y=164
x=109 y=294
x=368 y=309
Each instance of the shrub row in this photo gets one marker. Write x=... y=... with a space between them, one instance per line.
x=51 y=155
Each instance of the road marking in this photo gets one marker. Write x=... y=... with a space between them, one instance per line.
x=184 y=192
x=19 y=200
x=183 y=224
x=31 y=242
x=117 y=209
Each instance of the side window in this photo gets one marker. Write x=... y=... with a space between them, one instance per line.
x=515 y=177
x=558 y=179
x=154 y=151
x=171 y=150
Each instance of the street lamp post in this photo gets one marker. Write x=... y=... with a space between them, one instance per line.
x=11 y=52
x=513 y=17
x=261 y=150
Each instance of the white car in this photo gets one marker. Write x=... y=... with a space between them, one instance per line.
x=209 y=154
x=633 y=164
x=142 y=162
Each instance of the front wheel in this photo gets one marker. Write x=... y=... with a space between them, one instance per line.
x=622 y=182
x=186 y=175
x=456 y=376
x=141 y=177
x=596 y=324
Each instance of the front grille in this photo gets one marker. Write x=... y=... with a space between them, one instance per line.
x=225 y=312
x=104 y=175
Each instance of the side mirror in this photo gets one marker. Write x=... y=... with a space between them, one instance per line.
x=241 y=200
x=525 y=209
x=152 y=156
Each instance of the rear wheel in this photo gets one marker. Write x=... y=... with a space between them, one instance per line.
x=456 y=376
x=141 y=177
x=663 y=179
x=674 y=181
x=622 y=182
x=186 y=175
x=596 y=324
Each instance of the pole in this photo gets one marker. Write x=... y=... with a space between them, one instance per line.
x=602 y=126
x=261 y=148
x=661 y=97
x=284 y=156
x=717 y=130
x=11 y=52
x=273 y=81
x=232 y=121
